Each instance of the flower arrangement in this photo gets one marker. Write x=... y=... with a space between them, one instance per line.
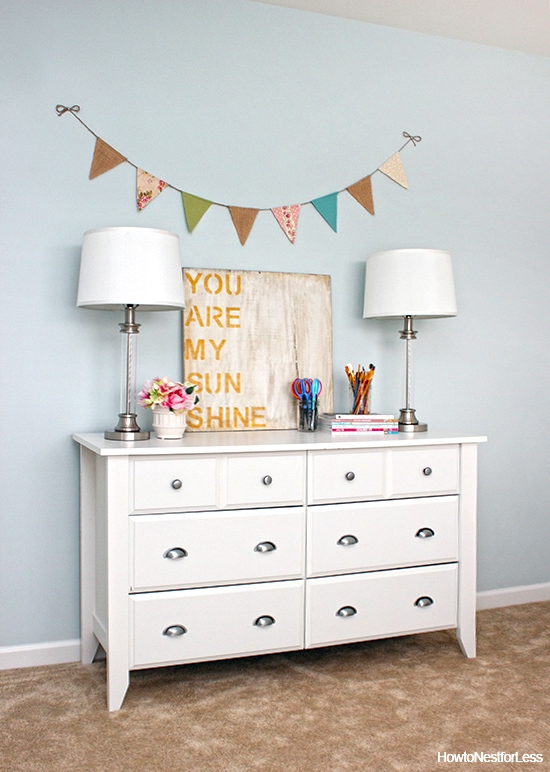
x=176 y=396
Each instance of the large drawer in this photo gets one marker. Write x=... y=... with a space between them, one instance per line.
x=380 y=604
x=347 y=538
x=215 y=623
x=210 y=548
x=176 y=483
x=431 y=470
x=346 y=475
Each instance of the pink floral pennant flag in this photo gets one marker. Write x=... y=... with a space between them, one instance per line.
x=287 y=217
x=147 y=188
x=393 y=168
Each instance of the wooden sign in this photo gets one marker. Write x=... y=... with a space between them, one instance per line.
x=246 y=336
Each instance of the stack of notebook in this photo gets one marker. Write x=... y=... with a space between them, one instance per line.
x=348 y=422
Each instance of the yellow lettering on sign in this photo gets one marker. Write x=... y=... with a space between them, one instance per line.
x=258 y=418
x=233 y=315
x=226 y=417
x=193 y=282
x=222 y=317
x=194 y=352
x=214 y=383
x=214 y=283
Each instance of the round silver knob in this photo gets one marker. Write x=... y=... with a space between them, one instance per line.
x=350 y=475
x=424 y=601
x=265 y=546
x=348 y=540
x=176 y=484
x=346 y=611
x=176 y=553
x=266 y=621
x=427 y=471
x=267 y=480
x=425 y=533
x=174 y=631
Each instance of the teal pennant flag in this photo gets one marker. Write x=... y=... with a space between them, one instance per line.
x=327 y=206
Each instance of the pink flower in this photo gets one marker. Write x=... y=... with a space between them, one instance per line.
x=166 y=393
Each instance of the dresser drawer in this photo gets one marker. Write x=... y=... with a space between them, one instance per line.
x=349 y=538
x=432 y=470
x=350 y=475
x=175 y=483
x=265 y=479
x=191 y=549
x=380 y=604
x=215 y=623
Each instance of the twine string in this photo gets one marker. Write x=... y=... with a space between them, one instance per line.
x=75 y=109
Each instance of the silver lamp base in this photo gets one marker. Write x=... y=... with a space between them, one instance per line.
x=408 y=421
x=127 y=429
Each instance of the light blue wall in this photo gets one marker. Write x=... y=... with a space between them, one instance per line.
x=254 y=105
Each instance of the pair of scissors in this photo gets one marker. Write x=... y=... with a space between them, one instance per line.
x=301 y=388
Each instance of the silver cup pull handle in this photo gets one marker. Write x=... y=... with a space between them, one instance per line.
x=425 y=600
x=267 y=480
x=175 y=553
x=427 y=471
x=425 y=533
x=350 y=476
x=265 y=621
x=265 y=546
x=346 y=611
x=176 y=484
x=174 y=630
x=348 y=540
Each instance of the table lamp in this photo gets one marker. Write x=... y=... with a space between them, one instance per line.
x=122 y=269
x=409 y=283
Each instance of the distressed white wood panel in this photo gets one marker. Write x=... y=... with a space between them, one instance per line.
x=246 y=336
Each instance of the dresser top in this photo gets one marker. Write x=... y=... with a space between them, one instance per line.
x=272 y=440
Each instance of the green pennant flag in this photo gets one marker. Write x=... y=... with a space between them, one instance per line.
x=327 y=206
x=194 y=208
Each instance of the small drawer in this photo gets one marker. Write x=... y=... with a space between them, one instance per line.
x=189 y=550
x=265 y=479
x=431 y=470
x=380 y=604
x=350 y=538
x=193 y=625
x=350 y=475
x=175 y=483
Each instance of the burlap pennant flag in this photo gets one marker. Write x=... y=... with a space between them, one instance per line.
x=362 y=192
x=393 y=168
x=147 y=188
x=195 y=208
x=287 y=217
x=327 y=206
x=243 y=220
x=105 y=158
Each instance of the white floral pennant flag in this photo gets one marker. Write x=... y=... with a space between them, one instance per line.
x=147 y=188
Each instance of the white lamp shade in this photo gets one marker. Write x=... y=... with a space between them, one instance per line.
x=130 y=266
x=409 y=282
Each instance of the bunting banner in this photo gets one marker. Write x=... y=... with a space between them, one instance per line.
x=148 y=187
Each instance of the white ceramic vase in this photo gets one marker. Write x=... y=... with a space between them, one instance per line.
x=168 y=425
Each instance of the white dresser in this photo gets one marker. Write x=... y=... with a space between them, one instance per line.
x=232 y=544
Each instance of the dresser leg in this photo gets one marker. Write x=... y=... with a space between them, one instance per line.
x=467 y=640
x=117 y=686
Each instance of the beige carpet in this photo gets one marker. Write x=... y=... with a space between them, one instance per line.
x=382 y=705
